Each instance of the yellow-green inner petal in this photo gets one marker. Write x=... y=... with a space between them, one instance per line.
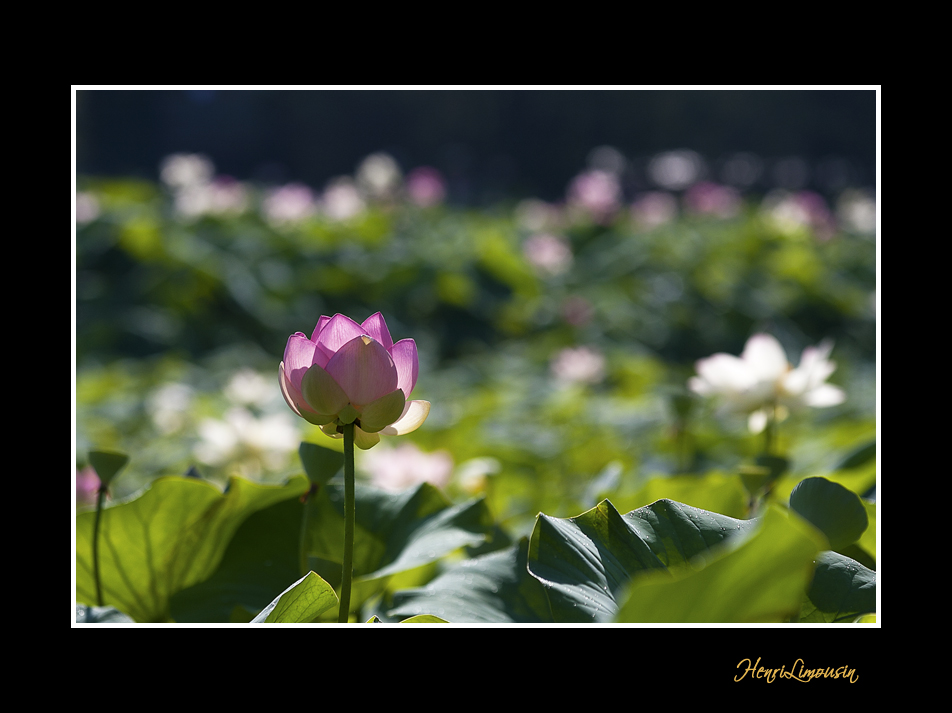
x=348 y=414
x=382 y=412
x=322 y=392
x=316 y=418
x=365 y=441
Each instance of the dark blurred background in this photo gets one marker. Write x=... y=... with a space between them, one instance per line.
x=489 y=144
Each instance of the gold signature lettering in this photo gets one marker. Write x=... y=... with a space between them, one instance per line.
x=798 y=672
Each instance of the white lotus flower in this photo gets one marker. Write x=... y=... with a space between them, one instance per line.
x=762 y=381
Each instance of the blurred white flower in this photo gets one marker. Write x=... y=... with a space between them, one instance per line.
x=676 y=170
x=653 y=209
x=579 y=365
x=793 y=211
x=472 y=475
x=609 y=159
x=548 y=254
x=342 y=200
x=426 y=186
x=87 y=207
x=248 y=387
x=222 y=196
x=291 y=203
x=855 y=209
x=404 y=466
x=536 y=215
x=181 y=170
x=241 y=435
x=379 y=175
x=168 y=406
x=761 y=380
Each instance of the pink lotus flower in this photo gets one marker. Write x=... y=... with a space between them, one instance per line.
x=353 y=373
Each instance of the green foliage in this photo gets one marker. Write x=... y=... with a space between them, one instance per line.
x=182 y=551
x=397 y=535
x=842 y=591
x=301 y=603
x=837 y=512
x=182 y=320
x=491 y=588
x=585 y=562
x=754 y=579
x=263 y=556
x=171 y=537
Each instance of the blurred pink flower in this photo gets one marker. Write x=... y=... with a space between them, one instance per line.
x=426 y=186
x=707 y=198
x=596 y=192
x=291 y=203
x=548 y=253
x=653 y=209
x=577 y=311
x=87 y=486
x=228 y=196
x=405 y=466
x=579 y=365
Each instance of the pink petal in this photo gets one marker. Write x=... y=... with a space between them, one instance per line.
x=407 y=361
x=299 y=354
x=376 y=327
x=338 y=330
x=287 y=388
x=295 y=399
x=321 y=323
x=364 y=370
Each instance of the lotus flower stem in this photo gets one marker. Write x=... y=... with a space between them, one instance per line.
x=347 y=572
x=302 y=538
x=101 y=496
x=770 y=431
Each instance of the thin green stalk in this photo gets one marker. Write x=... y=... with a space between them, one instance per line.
x=770 y=432
x=348 y=566
x=99 y=501
x=302 y=541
